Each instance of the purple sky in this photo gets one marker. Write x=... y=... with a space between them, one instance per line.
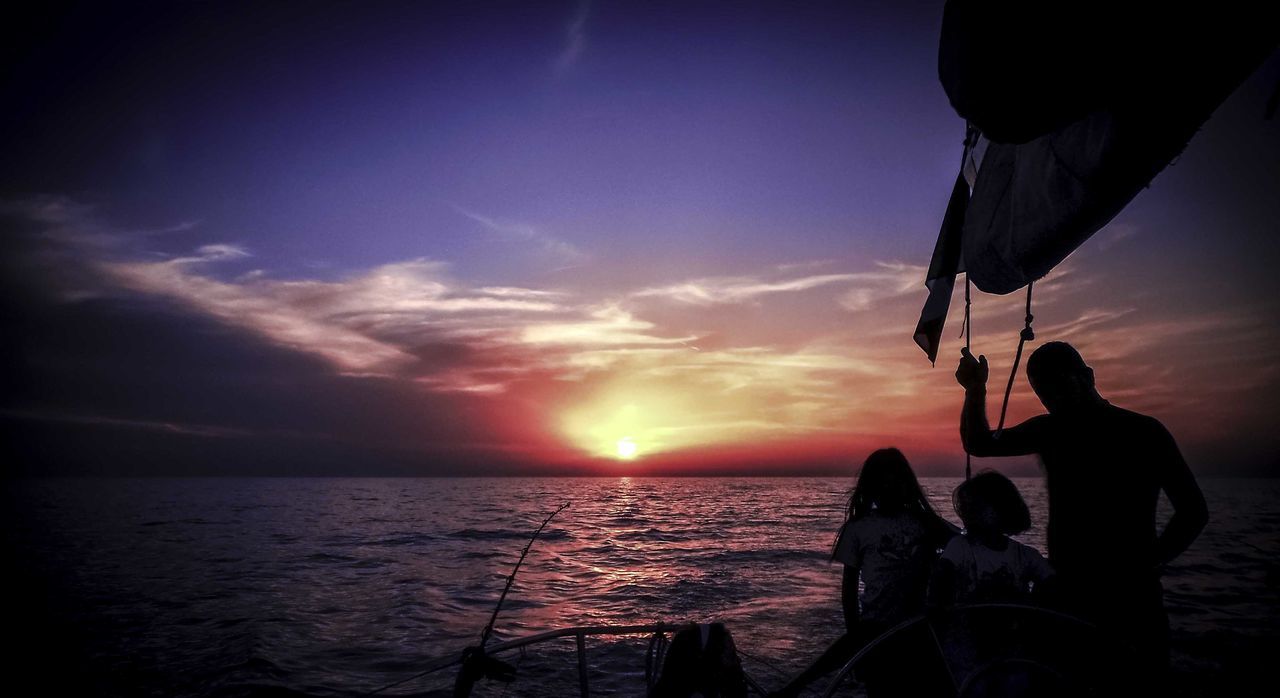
x=442 y=237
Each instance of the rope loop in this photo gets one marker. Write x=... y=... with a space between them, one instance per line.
x=967 y=331
x=1026 y=335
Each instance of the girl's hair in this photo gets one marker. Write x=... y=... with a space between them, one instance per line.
x=991 y=501
x=887 y=483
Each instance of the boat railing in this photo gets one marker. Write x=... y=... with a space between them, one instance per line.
x=580 y=635
x=660 y=630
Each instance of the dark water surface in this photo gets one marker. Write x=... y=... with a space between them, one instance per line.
x=179 y=587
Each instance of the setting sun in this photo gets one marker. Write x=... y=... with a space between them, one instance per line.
x=626 y=448
x=614 y=428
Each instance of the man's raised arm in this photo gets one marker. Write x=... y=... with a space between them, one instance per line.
x=975 y=430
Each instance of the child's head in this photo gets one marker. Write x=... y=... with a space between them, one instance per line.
x=990 y=503
x=886 y=482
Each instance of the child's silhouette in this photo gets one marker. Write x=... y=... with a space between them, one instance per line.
x=889 y=540
x=984 y=564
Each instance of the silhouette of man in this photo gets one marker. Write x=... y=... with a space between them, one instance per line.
x=1104 y=468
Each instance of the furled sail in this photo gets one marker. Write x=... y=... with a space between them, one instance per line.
x=1079 y=105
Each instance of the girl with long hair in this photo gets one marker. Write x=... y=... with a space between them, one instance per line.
x=889 y=541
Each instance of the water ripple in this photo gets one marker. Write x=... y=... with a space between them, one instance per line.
x=331 y=587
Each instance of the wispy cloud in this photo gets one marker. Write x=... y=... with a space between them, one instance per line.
x=213 y=253
x=366 y=323
x=179 y=227
x=889 y=280
x=575 y=39
x=515 y=292
x=886 y=278
x=737 y=289
x=610 y=325
x=862 y=289
x=276 y=310
x=562 y=253
x=1115 y=233
x=186 y=429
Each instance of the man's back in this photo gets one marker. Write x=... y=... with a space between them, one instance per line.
x=1104 y=468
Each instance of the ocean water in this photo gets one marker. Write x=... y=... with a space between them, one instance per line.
x=335 y=587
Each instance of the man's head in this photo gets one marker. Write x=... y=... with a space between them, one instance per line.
x=1060 y=377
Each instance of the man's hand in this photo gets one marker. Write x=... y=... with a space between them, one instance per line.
x=972 y=373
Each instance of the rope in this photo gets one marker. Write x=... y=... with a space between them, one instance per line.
x=653 y=657
x=1025 y=336
x=401 y=682
x=967 y=328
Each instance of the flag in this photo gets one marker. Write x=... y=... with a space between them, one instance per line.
x=943 y=267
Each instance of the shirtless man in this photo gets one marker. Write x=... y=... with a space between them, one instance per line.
x=1105 y=468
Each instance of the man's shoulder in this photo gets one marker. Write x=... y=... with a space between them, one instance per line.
x=1132 y=419
x=1040 y=421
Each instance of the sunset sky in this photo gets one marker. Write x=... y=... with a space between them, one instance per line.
x=482 y=238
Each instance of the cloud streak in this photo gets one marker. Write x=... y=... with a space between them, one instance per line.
x=575 y=39
x=886 y=280
x=562 y=253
